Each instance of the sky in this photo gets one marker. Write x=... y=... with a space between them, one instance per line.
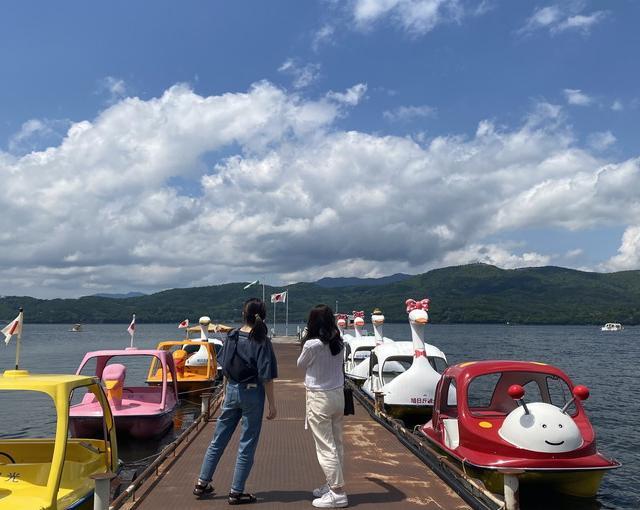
x=146 y=146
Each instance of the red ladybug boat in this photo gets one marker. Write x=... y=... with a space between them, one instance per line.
x=490 y=429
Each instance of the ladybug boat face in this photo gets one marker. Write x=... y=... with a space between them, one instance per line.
x=545 y=429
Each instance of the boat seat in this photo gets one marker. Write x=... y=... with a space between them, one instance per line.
x=113 y=377
x=179 y=360
x=451 y=432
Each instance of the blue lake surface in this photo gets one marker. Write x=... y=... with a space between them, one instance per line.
x=607 y=363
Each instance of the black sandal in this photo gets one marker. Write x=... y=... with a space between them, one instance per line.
x=201 y=490
x=238 y=498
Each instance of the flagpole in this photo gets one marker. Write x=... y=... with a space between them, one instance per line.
x=274 y=318
x=21 y=321
x=263 y=290
x=286 y=320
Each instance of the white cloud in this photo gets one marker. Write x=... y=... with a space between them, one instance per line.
x=577 y=97
x=562 y=17
x=35 y=134
x=352 y=96
x=494 y=255
x=407 y=113
x=414 y=16
x=322 y=36
x=601 y=140
x=628 y=256
x=575 y=253
x=115 y=88
x=302 y=75
x=617 y=106
x=293 y=196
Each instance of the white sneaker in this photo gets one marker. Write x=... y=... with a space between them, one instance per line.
x=321 y=491
x=331 y=500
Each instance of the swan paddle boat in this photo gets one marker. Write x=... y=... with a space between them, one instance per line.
x=341 y=322
x=140 y=412
x=612 y=326
x=194 y=377
x=408 y=393
x=357 y=362
x=200 y=357
x=55 y=473
x=493 y=432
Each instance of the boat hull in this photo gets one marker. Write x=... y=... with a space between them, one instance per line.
x=137 y=427
x=581 y=482
x=417 y=414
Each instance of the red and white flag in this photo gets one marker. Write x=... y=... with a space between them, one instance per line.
x=132 y=327
x=184 y=324
x=280 y=297
x=13 y=328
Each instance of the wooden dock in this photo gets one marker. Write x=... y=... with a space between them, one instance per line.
x=380 y=472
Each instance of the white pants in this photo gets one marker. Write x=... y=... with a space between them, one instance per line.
x=325 y=415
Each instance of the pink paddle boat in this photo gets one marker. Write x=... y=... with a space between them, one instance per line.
x=141 y=412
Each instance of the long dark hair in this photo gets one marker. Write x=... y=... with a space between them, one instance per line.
x=254 y=313
x=322 y=325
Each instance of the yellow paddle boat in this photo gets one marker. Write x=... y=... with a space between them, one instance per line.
x=195 y=362
x=54 y=473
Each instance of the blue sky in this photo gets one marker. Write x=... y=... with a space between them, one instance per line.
x=395 y=102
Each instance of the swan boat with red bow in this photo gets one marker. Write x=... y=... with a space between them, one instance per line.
x=480 y=419
x=408 y=391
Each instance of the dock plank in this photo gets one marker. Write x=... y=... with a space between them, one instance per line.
x=379 y=471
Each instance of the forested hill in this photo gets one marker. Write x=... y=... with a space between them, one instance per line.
x=476 y=293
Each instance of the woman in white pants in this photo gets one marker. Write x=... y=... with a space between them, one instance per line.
x=321 y=357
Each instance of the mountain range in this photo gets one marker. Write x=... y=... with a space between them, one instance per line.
x=475 y=293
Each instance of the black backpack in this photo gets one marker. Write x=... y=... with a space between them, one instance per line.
x=234 y=366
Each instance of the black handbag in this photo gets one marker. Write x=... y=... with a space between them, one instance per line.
x=349 y=406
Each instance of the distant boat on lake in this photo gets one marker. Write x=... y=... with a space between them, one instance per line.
x=612 y=326
x=76 y=328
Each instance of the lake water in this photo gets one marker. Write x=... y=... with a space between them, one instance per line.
x=605 y=362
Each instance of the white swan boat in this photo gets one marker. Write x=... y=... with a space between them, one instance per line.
x=357 y=346
x=612 y=326
x=357 y=363
x=200 y=358
x=410 y=392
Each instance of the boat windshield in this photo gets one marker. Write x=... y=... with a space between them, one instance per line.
x=487 y=394
x=136 y=370
x=439 y=364
x=27 y=435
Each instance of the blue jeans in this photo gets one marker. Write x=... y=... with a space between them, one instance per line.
x=244 y=401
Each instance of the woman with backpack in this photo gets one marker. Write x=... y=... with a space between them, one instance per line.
x=249 y=366
x=322 y=357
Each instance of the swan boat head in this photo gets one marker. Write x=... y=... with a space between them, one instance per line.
x=377 y=319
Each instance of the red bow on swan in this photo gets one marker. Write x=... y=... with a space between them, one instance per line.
x=412 y=305
x=342 y=316
x=358 y=314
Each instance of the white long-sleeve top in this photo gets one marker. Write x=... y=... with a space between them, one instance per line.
x=324 y=371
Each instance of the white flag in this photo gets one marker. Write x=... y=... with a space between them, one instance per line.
x=250 y=284
x=13 y=328
x=132 y=327
x=280 y=297
x=184 y=324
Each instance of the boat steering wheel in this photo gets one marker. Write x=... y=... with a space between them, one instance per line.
x=11 y=459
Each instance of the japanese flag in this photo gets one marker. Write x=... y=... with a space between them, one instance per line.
x=281 y=297
x=13 y=328
x=184 y=324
